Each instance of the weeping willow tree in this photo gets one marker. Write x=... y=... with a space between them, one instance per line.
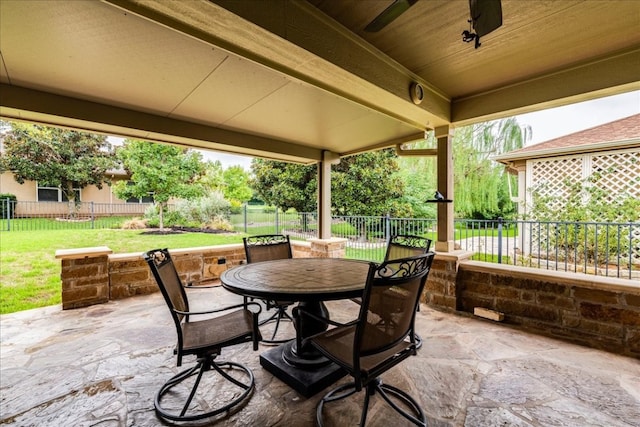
x=480 y=183
x=420 y=179
x=481 y=189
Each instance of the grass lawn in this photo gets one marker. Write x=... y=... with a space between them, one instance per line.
x=30 y=273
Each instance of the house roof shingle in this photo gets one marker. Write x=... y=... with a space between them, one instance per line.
x=625 y=131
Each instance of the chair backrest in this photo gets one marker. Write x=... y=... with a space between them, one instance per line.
x=389 y=303
x=267 y=247
x=169 y=282
x=406 y=245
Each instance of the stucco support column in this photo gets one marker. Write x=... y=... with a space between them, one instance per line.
x=324 y=193
x=444 y=136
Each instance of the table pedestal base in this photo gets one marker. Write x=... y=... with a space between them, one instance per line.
x=307 y=382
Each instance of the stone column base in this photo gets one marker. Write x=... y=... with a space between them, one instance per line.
x=328 y=248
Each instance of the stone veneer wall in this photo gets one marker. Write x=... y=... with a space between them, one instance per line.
x=441 y=289
x=85 y=276
x=94 y=275
x=594 y=311
x=130 y=275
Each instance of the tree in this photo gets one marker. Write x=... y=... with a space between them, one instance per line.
x=55 y=157
x=236 y=185
x=285 y=185
x=480 y=184
x=419 y=177
x=162 y=170
x=212 y=179
x=368 y=184
x=363 y=184
x=480 y=188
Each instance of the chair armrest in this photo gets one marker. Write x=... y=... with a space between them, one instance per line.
x=217 y=310
x=196 y=285
x=299 y=312
x=253 y=307
x=302 y=311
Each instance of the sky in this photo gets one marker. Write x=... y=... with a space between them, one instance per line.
x=555 y=122
x=545 y=124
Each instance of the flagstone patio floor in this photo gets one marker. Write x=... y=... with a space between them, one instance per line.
x=102 y=365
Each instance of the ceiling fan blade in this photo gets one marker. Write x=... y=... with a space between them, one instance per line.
x=397 y=8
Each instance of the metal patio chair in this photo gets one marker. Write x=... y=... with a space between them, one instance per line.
x=380 y=338
x=404 y=245
x=180 y=399
x=269 y=247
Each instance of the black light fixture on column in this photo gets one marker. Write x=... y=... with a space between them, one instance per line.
x=439 y=198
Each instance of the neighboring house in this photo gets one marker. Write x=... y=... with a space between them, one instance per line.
x=31 y=198
x=550 y=168
x=39 y=200
x=612 y=149
x=30 y=191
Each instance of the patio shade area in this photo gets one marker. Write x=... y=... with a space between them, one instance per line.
x=103 y=364
x=291 y=79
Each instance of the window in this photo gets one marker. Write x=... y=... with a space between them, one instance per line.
x=52 y=194
x=146 y=199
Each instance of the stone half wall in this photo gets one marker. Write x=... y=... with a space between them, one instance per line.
x=95 y=275
x=85 y=276
x=594 y=311
x=130 y=275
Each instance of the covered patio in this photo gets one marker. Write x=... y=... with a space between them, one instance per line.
x=103 y=364
x=302 y=81
x=309 y=81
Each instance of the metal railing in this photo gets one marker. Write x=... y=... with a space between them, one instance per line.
x=597 y=248
x=25 y=216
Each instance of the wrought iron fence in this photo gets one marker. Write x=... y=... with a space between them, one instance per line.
x=24 y=216
x=598 y=248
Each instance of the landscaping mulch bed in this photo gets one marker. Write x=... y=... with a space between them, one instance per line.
x=179 y=230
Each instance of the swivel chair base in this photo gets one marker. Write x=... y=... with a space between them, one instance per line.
x=280 y=315
x=376 y=386
x=204 y=363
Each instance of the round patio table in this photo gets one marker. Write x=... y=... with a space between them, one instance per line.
x=310 y=281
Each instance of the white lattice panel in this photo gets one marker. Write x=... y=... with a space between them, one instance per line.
x=551 y=176
x=618 y=172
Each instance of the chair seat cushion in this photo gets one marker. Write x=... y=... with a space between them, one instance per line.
x=216 y=332
x=339 y=343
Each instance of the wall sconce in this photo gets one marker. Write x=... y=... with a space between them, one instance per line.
x=417 y=93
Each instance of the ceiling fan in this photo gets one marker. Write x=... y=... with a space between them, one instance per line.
x=485 y=16
x=395 y=9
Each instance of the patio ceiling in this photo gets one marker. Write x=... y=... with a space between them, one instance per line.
x=289 y=79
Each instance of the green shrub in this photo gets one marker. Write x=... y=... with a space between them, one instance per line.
x=344 y=229
x=219 y=223
x=196 y=213
x=236 y=207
